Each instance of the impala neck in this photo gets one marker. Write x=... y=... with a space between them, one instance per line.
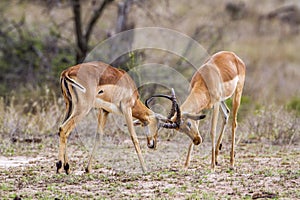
x=141 y=112
x=197 y=100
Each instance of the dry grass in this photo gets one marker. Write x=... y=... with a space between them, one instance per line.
x=262 y=170
x=267 y=138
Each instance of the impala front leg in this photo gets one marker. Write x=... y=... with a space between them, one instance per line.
x=128 y=117
x=188 y=157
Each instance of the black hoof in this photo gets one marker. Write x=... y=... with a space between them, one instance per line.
x=220 y=147
x=58 y=166
x=87 y=170
x=67 y=168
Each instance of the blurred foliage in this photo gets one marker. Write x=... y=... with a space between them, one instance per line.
x=273 y=124
x=245 y=106
x=294 y=105
x=29 y=59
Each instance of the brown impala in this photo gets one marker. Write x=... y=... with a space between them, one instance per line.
x=221 y=77
x=98 y=85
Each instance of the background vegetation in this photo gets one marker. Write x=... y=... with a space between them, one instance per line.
x=38 y=39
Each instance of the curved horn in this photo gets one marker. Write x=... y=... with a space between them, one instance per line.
x=175 y=108
x=176 y=124
x=158 y=95
x=174 y=105
x=171 y=98
x=170 y=125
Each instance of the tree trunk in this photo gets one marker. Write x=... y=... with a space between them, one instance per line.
x=82 y=38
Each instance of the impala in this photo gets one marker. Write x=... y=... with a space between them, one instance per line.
x=111 y=90
x=222 y=76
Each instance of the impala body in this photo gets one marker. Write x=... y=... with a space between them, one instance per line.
x=221 y=77
x=111 y=90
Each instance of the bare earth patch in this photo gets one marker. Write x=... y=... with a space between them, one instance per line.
x=262 y=171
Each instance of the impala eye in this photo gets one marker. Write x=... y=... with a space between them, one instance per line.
x=189 y=124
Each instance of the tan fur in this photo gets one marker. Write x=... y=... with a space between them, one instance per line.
x=111 y=90
x=222 y=76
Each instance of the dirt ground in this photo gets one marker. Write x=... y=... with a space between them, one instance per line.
x=262 y=171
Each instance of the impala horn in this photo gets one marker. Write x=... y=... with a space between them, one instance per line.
x=175 y=108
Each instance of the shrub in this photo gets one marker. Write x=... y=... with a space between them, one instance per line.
x=273 y=124
x=29 y=58
x=294 y=105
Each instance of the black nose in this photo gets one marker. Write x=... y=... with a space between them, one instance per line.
x=197 y=141
x=151 y=144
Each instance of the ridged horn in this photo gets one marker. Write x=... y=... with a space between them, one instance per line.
x=175 y=109
x=176 y=124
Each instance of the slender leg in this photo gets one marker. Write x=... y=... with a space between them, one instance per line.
x=235 y=105
x=213 y=133
x=190 y=151
x=188 y=158
x=128 y=117
x=64 y=132
x=225 y=113
x=102 y=116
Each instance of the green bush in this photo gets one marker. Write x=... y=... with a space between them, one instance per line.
x=29 y=58
x=294 y=105
x=245 y=106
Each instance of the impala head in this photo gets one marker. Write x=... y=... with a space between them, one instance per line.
x=152 y=127
x=157 y=121
x=183 y=122
x=189 y=126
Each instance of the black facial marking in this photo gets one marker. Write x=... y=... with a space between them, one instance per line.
x=202 y=116
x=220 y=147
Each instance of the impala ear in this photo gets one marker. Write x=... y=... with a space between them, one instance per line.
x=201 y=117
x=137 y=123
x=161 y=118
x=194 y=116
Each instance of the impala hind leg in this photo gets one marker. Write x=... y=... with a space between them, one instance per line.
x=128 y=117
x=225 y=113
x=235 y=105
x=214 y=122
x=64 y=132
x=102 y=116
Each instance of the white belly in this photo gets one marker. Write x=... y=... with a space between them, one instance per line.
x=229 y=88
x=112 y=96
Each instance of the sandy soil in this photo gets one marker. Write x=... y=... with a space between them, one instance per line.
x=262 y=171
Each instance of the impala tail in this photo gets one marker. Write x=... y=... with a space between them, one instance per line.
x=74 y=83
